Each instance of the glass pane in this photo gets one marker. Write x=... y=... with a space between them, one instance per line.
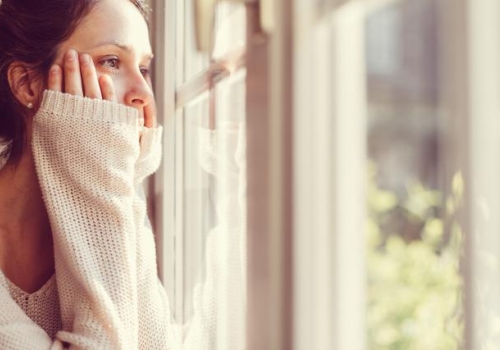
x=230 y=28
x=231 y=94
x=194 y=61
x=229 y=237
x=214 y=206
x=414 y=285
x=229 y=35
x=211 y=247
x=198 y=206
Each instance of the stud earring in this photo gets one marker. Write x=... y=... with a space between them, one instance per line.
x=29 y=105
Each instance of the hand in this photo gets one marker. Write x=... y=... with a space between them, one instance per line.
x=80 y=78
x=150 y=113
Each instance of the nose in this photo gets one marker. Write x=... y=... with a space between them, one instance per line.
x=139 y=94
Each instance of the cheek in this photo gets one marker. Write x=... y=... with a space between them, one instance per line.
x=149 y=81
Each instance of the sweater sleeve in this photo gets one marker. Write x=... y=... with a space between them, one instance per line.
x=224 y=157
x=90 y=168
x=85 y=153
x=156 y=328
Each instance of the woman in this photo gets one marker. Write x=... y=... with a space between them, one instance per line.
x=78 y=134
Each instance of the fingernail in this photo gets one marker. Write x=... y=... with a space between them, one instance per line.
x=54 y=69
x=70 y=55
x=106 y=78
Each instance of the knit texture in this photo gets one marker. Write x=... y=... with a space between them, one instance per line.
x=90 y=163
x=105 y=293
x=41 y=306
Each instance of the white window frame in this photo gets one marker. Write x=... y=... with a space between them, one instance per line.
x=471 y=61
x=329 y=167
x=168 y=26
x=288 y=305
x=279 y=218
x=166 y=64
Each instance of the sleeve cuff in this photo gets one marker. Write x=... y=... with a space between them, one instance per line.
x=150 y=154
x=151 y=139
x=63 y=104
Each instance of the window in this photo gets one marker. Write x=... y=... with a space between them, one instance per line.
x=403 y=94
x=349 y=151
x=200 y=190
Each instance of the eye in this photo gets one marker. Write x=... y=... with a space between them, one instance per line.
x=145 y=71
x=111 y=63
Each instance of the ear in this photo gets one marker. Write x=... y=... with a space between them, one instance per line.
x=23 y=84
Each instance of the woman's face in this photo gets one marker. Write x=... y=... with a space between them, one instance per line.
x=116 y=37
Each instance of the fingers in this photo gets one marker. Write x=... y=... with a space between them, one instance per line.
x=78 y=76
x=107 y=88
x=55 y=80
x=72 y=75
x=91 y=86
x=150 y=115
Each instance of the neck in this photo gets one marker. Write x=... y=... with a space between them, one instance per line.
x=27 y=254
x=21 y=203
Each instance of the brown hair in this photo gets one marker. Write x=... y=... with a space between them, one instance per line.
x=31 y=32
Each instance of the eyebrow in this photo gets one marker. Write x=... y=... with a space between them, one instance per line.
x=121 y=46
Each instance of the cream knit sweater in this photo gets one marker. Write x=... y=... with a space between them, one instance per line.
x=105 y=293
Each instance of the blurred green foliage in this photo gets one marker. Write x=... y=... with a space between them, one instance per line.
x=414 y=285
